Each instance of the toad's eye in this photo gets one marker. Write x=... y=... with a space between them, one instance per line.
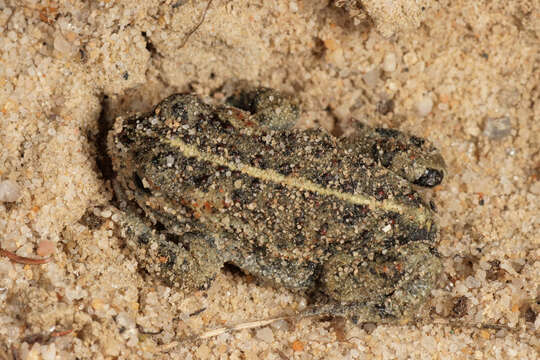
x=430 y=178
x=139 y=183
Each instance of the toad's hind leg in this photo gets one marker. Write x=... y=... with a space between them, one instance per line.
x=275 y=270
x=388 y=288
x=189 y=261
x=411 y=157
x=269 y=108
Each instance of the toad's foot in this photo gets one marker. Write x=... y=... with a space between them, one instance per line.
x=389 y=287
x=188 y=261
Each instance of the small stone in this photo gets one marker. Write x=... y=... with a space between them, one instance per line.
x=111 y=346
x=97 y=304
x=280 y=325
x=302 y=304
x=371 y=77
x=265 y=334
x=369 y=327
x=385 y=106
x=497 y=128
x=410 y=59
x=48 y=352
x=106 y=213
x=9 y=191
x=460 y=306
x=293 y=6
x=509 y=97
x=389 y=62
x=203 y=352
x=62 y=45
x=486 y=335
x=170 y=160
x=297 y=345
x=45 y=248
x=424 y=105
x=529 y=314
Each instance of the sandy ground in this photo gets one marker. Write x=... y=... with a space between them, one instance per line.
x=464 y=74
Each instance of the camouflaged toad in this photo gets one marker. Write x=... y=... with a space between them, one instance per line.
x=338 y=218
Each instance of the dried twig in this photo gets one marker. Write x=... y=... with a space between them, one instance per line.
x=260 y=323
x=23 y=260
x=61 y=333
x=190 y=32
x=221 y=330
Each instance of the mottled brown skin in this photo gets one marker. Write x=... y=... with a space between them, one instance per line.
x=336 y=217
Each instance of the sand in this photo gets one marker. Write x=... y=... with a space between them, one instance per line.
x=464 y=74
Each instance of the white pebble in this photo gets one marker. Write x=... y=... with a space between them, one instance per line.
x=371 y=77
x=293 y=6
x=62 y=45
x=106 y=213
x=265 y=334
x=424 y=105
x=170 y=160
x=302 y=304
x=497 y=128
x=9 y=191
x=48 y=352
x=280 y=325
x=410 y=59
x=389 y=62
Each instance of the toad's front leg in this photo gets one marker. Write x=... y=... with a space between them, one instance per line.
x=189 y=261
x=269 y=108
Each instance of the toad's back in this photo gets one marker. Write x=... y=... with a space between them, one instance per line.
x=286 y=196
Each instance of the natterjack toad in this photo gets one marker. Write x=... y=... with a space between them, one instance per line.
x=339 y=218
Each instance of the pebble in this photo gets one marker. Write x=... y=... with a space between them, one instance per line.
x=389 y=62
x=280 y=325
x=371 y=77
x=410 y=59
x=424 y=105
x=48 y=352
x=265 y=334
x=9 y=191
x=497 y=128
x=46 y=248
x=293 y=6
x=106 y=213
x=62 y=45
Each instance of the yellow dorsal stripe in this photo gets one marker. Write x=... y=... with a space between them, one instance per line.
x=419 y=214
